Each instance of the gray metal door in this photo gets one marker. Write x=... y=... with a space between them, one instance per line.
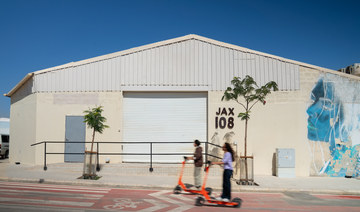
x=74 y=131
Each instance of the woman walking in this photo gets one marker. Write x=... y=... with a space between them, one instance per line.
x=228 y=170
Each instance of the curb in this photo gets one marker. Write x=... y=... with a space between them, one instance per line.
x=151 y=187
x=312 y=191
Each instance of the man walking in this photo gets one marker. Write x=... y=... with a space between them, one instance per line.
x=198 y=162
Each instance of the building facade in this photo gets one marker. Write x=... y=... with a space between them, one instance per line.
x=171 y=91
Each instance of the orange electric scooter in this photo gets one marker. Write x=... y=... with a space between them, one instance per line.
x=236 y=202
x=187 y=187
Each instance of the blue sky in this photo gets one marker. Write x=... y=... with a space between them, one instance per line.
x=36 y=34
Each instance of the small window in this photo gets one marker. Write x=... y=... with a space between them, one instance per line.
x=5 y=138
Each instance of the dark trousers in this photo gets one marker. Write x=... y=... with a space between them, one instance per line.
x=226 y=193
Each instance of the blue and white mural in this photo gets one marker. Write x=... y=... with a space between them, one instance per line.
x=334 y=127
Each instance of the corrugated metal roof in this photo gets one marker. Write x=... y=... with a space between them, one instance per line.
x=190 y=62
x=176 y=66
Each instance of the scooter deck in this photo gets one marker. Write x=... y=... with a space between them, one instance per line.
x=187 y=185
x=213 y=200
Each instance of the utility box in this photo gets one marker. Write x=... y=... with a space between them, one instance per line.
x=285 y=163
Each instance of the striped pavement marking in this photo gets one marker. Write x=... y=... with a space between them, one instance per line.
x=181 y=205
x=157 y=206
x=29 y=192
x=45 y=202
x=54 y=188
x=80 y=197
x=88 y=198
x=184 y=198
x=50 y=195
x=17 y=207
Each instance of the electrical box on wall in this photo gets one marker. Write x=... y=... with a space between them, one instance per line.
x=285 y=162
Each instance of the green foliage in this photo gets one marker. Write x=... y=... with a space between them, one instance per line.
x=95 y=120
x=244 y=116
x=248 y=90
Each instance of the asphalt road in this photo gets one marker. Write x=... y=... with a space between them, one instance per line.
x=46 y=197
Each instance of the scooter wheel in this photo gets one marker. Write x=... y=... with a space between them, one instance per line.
x=208 y=190
x=177 y=190
x=238 y=201
x=200 y=201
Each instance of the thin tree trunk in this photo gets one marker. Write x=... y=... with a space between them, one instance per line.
x=93 y=138
x=91 y=152
x=245 y=148
x=246 y=165
x=246 y=124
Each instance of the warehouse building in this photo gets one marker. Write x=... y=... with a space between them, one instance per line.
x=171 y=91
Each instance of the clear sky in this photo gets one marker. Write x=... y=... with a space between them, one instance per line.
x=36 y=34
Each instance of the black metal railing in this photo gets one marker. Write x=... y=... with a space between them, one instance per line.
x=150 y=153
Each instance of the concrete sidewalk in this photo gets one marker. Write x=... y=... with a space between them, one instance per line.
x=166 y=177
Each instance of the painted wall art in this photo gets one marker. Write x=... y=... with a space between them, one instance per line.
x=218 y=152
x=334 y=127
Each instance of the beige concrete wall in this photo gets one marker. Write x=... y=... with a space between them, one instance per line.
x=22 y=128
x=281 y=123
x=54 y=107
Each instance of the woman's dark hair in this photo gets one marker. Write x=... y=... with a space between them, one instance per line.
x=230 y=149
x=197 y=142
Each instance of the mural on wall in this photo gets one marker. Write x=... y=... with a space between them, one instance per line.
x=214 y=150
x=217 y=151
x=334 y=127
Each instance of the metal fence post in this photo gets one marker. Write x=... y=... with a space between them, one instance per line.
x=97 y=156
x=206 y=151
x=45 y=168
x=151 y=168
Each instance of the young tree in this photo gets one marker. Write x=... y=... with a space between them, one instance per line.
x=247 y=89
x=94 y=120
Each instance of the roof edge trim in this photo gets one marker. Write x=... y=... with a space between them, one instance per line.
x=119 y=53
x=21 y=83
x=243 y=49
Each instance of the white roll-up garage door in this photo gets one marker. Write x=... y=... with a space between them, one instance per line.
x=163 y=117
